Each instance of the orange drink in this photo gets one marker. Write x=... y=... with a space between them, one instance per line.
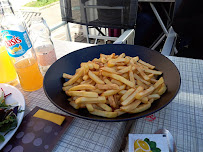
x=29 y=74
x=7 y=70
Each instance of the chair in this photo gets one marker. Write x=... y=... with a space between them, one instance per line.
x=169 y=47
x=101 y=15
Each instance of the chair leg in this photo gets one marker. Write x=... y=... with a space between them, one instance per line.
x=87 y=30
x=159 y=18
x=169 y=45
x=68 y=34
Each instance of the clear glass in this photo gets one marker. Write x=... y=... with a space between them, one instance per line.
x=43 y=46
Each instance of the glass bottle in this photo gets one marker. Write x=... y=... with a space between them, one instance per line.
x=43 y=45
x=19 y=48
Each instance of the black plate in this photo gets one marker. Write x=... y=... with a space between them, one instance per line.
x=53 y=80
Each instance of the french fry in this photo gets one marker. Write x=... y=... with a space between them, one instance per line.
x=97 y=73
x=152 y=80
x=93 y=83
x=125 y=75
x=131 y=106
x=144 y=93
x=141 y=65
x=120 y=63
x=141 y=108
x=118 y=77
x=127 y=94
x=143 y=74
x=107 y=86
x=75 y=77
x=131 y=76
x=117 y=100
x=79 y=80
x=98 y=62
x=82 y=94
x=95 y=78
x=162 y=90
x=146 y=64
x=140 y=83
x=85 y=77
x=113 y=62
x=151 y=101
x=86 y=100
x=92 y=65
x=139 y=78
x=120 y=67
x=153 y=72
x=120 y=112
x=124 y=70
x=112 y=101
x=132 y=97
x=154 y=96
x=74 y=98
x=69 y=86
x=86 y=68
x=82 y=87
x=107 y=81
x=112 y=92
x=109 y=92
x=122 y=92
x=95 y=106
x=104 y=113
x=89 y=107
x=116 y=82
x=105 y=107
x=88 y=81
x=135 y=59
x=74 y=105
x=151 y=76
x=112 y=56
x=98 y=91
x=67 y=76
x=108 y=69
x=95 y=60
x=144 y=100
x=122 y=55
x=127 y=60
x=158 y=83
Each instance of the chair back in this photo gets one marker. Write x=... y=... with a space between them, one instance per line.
x=120 y=14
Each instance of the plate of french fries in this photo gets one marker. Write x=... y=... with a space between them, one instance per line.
x=112 y=82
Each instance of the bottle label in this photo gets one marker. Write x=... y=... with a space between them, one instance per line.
x=17 y=43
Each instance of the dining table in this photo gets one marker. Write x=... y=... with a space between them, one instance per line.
x=183 y=117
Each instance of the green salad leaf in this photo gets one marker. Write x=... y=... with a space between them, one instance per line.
x=8 y=116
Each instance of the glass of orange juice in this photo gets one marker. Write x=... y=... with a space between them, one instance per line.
x=7 y=70
x=29 y=74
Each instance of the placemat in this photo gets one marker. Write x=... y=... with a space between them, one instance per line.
x=36 y=134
